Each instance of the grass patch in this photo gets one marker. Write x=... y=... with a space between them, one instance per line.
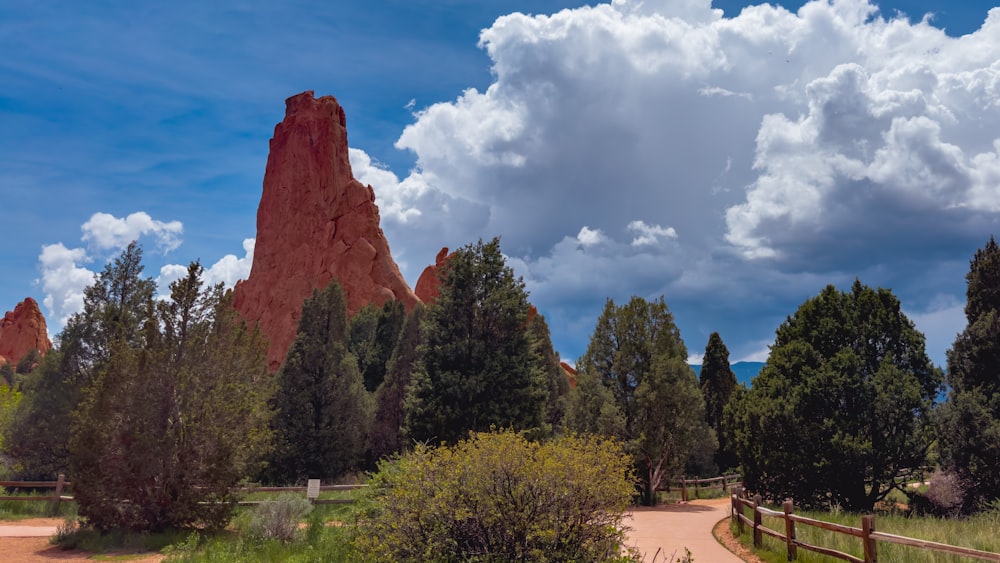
x=40 y=508
x=977 y=532
x=72 y=536
x=316 y=543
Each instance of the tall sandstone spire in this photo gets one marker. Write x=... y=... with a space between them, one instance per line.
x=315 y=223
x=23 y=330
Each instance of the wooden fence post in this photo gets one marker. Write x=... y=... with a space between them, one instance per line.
x=739 y=509
x=793 y=551
x=867 y=527
x=684 y=491
x=758 y=538
x=57 y=497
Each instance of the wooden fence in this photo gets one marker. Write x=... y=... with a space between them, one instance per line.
x=725 y=482
x=302 y=489
x=866 y=533
x=62 y=484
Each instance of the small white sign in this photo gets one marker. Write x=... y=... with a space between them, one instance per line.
x=312 y=489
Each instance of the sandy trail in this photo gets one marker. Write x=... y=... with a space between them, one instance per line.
x=660 y=534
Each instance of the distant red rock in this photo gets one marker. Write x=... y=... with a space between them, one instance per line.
x=315 y=222
x=23 y=330
x=429 y=284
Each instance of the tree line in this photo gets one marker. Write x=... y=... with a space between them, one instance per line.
x=155 y=406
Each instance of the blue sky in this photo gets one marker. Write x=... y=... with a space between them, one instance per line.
x=733 y=162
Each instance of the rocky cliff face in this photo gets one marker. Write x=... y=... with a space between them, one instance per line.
x=23 y=330
x=315 y=223
x=429 y=284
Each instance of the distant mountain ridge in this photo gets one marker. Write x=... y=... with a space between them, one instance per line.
x=745 y=371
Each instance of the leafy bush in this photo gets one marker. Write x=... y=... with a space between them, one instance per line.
x=278 y=519
x=498 y=497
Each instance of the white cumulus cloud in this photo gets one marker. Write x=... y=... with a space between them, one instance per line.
x=227 y=270
x=649 y=234
x=63 y=281
x=831 y=142
x=105 y=231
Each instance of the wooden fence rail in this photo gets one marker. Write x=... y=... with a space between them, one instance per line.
x=55 y=498
x=866 y=533
x=725 y=482
x=302 y=489
x=62 y=484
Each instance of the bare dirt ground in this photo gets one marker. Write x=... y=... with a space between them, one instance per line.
x=37 y=549
x=660 y=534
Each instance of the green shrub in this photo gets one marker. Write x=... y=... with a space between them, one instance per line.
x=498 y=497
x=278 y=519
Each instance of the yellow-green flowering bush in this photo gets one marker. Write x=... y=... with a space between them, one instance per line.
x=498 y=497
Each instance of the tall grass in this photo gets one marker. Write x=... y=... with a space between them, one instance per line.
x=316 y=543
x=977 y=532
x=41 y=508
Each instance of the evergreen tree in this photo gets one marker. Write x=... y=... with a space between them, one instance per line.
x=115 y=308
x=841 y=411
x=718 y=382
x=174 y=420
x=970 y=421
x=548 y=361
x=28 y=362
x=387 y=436
x=323 y=412
x=477 y=368
x=374 y=331
x=634 y=384
x=7 y=375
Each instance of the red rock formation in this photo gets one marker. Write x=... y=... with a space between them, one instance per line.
x=429 y=284
x=315 y=223
x=23 y=330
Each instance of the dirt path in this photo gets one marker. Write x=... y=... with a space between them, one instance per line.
x=27 y=541
x=661 y=533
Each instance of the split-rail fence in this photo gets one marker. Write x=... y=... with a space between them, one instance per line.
x=866 y=533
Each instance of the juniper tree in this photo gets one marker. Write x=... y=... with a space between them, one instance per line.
x=970 y=421
x=174 y=419
x=841 y=411
x=322 y=410
x=115 y=308
x=374 y=331
x=387 y=436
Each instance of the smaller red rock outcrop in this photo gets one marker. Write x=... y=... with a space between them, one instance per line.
x=429 y=283
x=23 y=330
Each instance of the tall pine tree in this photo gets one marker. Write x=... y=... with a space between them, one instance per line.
x=718 y=382
x=634 y=384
